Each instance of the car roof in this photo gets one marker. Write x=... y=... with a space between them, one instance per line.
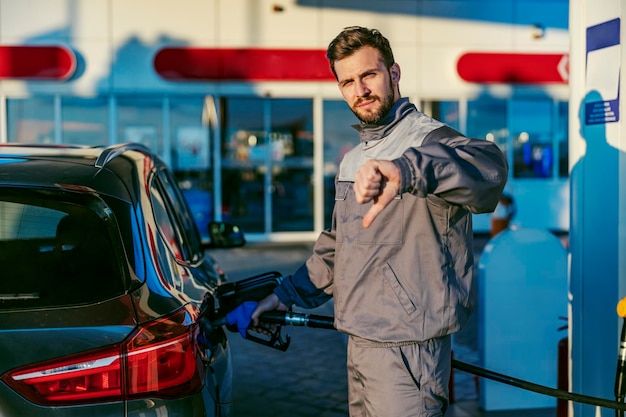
x=72 y=167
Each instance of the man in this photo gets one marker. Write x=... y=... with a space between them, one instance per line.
x=398 y=258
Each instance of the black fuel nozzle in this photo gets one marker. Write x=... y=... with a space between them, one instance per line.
x=231 y=295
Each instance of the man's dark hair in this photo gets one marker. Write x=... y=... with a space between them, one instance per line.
x=352 y=39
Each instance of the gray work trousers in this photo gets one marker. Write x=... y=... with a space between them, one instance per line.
x=398 y=379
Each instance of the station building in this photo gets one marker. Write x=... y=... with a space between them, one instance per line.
x=237 y=97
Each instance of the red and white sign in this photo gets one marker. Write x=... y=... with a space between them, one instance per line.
x=513 y=68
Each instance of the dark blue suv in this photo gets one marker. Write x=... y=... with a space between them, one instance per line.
x=102 y=277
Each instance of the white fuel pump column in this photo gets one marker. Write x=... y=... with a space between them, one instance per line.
x=598 y=195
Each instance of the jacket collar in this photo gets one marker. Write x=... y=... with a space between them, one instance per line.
x=369 y=132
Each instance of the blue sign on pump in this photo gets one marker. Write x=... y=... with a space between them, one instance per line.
x=603 y=72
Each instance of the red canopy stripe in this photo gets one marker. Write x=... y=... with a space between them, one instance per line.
x=513 y=68
x=36 y=62
x=242 y=64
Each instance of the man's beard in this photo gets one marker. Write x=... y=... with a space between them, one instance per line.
x=378 y=116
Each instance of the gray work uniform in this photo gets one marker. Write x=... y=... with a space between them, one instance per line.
x=408 y=278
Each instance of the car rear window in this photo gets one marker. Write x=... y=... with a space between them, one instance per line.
x=54 y=254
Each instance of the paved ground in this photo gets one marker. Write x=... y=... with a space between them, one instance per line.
x=309 y=380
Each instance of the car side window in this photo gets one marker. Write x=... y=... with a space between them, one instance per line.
x=188 y=229
x=170 y=213
x=167 y=227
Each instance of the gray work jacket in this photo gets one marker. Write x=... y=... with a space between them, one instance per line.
x=410 y=275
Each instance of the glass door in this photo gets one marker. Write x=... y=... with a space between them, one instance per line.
x=267 y=164
x=531 y=125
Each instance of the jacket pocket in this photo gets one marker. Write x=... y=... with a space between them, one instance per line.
x=341 y=194
x=387 y=228
x=341 y=191
x=396 y=286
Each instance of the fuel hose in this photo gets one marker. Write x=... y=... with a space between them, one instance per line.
x=290 y=318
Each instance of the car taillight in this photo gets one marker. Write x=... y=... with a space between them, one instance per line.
x=163 y=358
x=93 y=376
x=160 y=359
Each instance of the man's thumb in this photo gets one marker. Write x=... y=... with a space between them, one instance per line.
x=379 y=204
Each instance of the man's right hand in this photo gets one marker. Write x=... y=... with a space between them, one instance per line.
x=269 y=303
x=376 y=180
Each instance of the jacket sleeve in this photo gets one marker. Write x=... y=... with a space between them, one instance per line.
x=462 y=171
x=311 y=290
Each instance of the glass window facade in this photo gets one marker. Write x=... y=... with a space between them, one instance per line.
x=531 y=130
x=447 y=112
x=487 y=119
x=533 y=133
x=190 y=155
x=31 y=120
x=261 y=150
x=140 y=119
x=267 y=163
x=339 y=138
x=562 y=138
x=84 y=121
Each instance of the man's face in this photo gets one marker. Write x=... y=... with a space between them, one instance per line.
x=366 y=85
